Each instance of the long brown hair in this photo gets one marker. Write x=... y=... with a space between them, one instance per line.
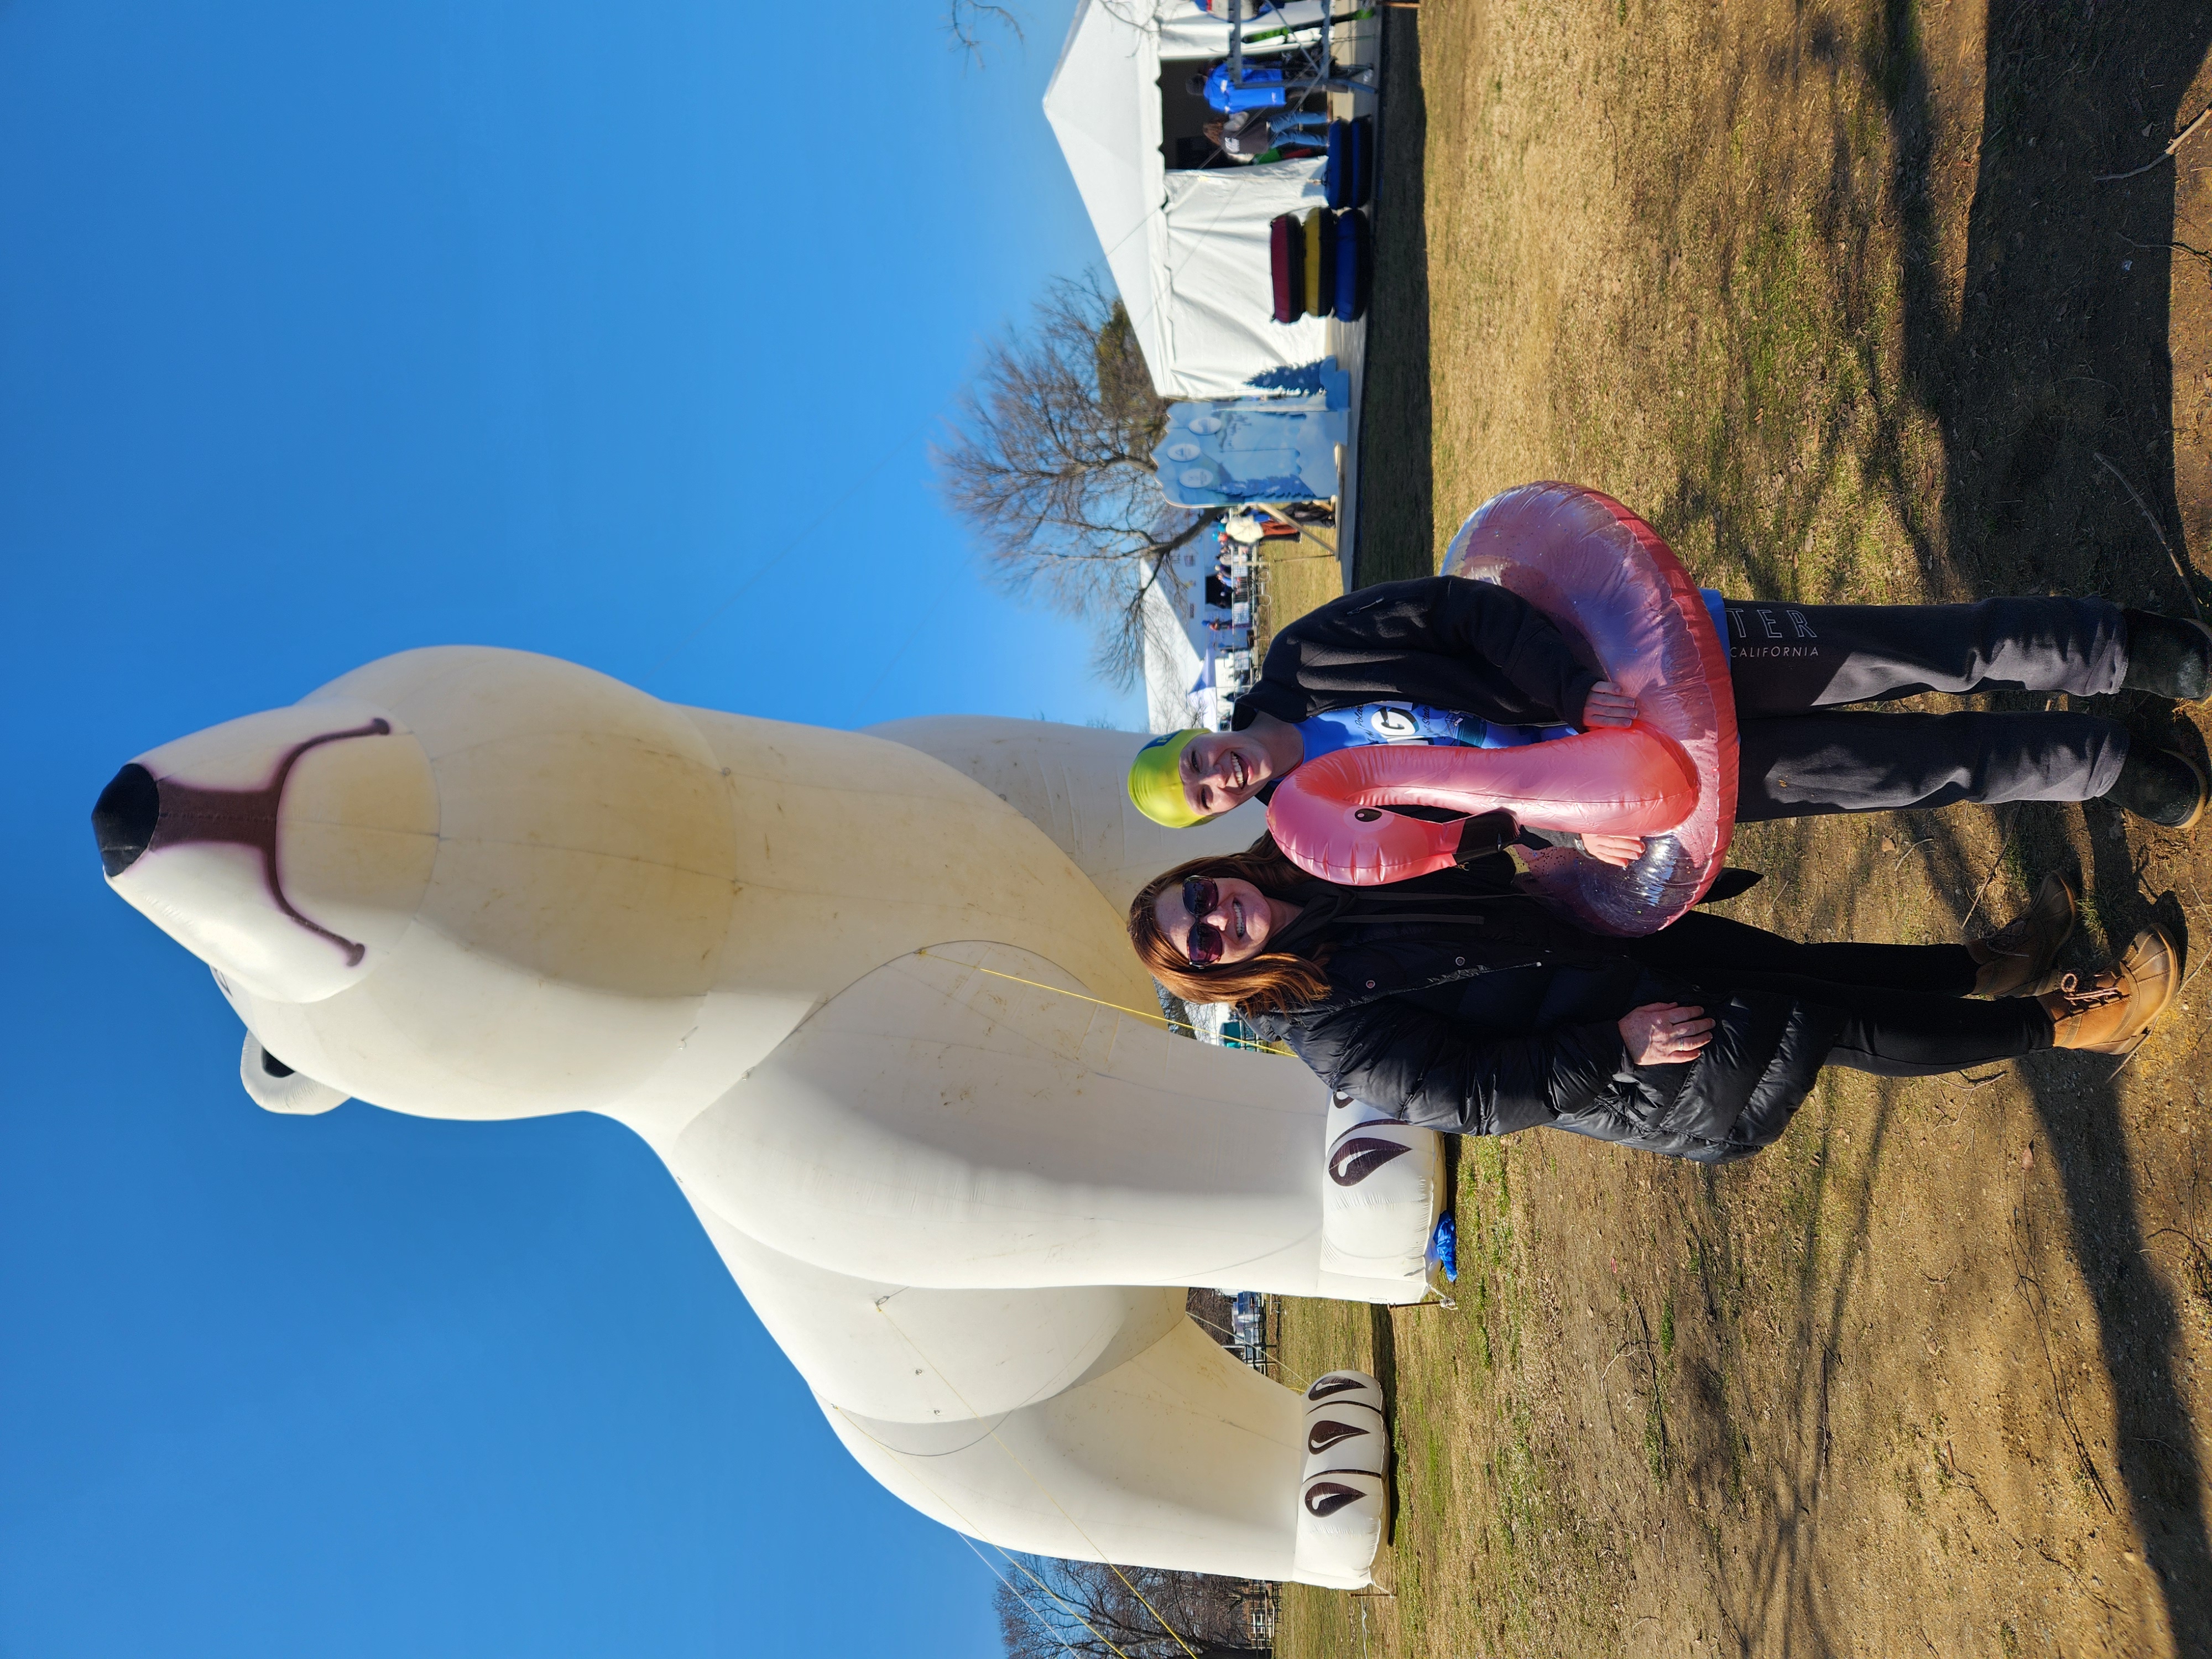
x=1273 y=979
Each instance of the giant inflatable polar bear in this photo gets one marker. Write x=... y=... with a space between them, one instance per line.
x=854 y=988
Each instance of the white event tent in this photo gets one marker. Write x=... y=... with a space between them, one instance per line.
x=1187 y=250
x=1172 y=662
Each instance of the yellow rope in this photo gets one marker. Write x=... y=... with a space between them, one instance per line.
x=1080 y=1532
x=1172 y=1024
x=1029 y=1605
x=1031 y=1573
x=1119 y=1008
x=970 y=1526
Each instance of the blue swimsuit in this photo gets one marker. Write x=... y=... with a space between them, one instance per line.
x=1414 y=722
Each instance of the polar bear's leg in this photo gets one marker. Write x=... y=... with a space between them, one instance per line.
x=907 y=1354
x=1180 y=1457
x=969 y=1116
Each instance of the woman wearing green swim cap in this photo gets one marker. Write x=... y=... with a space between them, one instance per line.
x=1188 y=777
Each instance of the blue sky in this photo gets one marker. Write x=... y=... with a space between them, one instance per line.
x=327 y=331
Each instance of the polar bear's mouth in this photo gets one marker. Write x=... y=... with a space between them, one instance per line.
x=138 y=813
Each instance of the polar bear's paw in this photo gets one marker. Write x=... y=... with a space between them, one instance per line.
x=1343 y=1488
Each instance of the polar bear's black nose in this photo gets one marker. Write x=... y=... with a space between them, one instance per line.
x=123 y=818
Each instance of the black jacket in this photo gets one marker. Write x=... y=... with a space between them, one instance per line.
x=1478 y=1012
x=1469 y=646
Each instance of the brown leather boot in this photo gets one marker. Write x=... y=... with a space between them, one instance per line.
x=2107 y=1013
x=2021 y=952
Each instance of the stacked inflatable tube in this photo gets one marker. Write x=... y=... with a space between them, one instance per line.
x=1608 y=583
x=1321 y=262
x=1286 y=250
x=1355 y=265
x=1348 y=175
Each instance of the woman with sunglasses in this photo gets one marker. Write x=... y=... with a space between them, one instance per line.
x=1461 y=1004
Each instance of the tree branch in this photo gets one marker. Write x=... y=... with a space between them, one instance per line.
x=1048 y=463
x=964 y=20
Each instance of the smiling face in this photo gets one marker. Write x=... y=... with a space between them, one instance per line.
x=1223 y=770
x=1234 y=928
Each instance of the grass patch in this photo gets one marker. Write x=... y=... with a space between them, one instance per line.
x=1296 y=575
x=1759 y=271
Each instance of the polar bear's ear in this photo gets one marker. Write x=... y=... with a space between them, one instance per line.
x=276 y=1087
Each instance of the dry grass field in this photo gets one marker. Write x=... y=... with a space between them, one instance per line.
x=1296 y=576
x=1834 y=294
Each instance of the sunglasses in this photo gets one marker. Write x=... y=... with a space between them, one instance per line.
x=1205 y=945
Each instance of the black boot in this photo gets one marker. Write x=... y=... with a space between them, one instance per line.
x=2168 y=657
x=2158 y=785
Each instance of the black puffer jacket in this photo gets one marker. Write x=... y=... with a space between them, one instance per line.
x=1469 y=646
x=1478 y=1012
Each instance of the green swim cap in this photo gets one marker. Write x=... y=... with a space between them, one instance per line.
x=1156 y=781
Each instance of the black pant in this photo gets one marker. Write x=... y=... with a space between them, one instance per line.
x=1794 y=666
x=1904 y=1009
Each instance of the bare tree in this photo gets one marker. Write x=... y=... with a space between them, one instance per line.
x=1050 y=464
x=965 y=22
x=1049 y=1609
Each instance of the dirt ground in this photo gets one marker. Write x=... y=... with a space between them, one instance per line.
x=1834 y=295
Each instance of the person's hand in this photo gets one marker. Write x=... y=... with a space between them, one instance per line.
x=1608 y=706
x=1620 y=851
x=1664 y=1033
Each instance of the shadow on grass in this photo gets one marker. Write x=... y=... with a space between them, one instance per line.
x=1396 y=531
x=2056 y=354
x=1384 y=1336
x=2060 y=354
x=1781 y=1578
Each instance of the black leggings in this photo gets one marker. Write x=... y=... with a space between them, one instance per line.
x=1905 y=1008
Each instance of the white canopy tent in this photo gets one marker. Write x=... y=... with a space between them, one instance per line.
x=1189 y=250
x=1171 y=663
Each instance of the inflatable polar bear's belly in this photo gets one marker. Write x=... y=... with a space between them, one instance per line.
x=855 y=1000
